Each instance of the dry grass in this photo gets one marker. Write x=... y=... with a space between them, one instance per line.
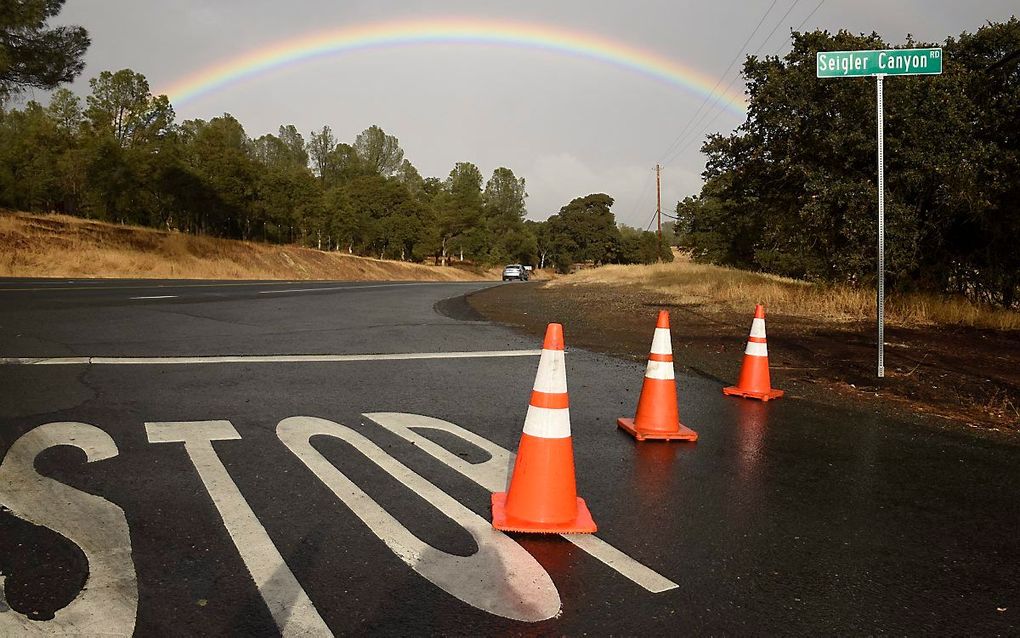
x=62 y=246
x=686 y=283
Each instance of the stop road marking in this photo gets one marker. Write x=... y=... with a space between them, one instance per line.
x=108 y=603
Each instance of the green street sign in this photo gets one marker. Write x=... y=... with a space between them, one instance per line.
x=854 y=64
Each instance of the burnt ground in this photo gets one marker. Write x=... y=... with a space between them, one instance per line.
x=950 y=378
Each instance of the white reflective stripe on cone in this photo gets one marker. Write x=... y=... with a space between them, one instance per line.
x=758 y=328
x=756 y=349
x=661 y=343
x=547 y=423
x=660 y=370
x=552 y=373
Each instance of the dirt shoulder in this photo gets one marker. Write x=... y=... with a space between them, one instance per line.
x=960 y=379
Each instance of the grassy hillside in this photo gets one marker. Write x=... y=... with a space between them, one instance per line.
x=714 y=287
x=60 y=246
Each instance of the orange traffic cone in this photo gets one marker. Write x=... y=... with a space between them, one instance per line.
x=542 y=496
x=657 y=414
x=754 y=381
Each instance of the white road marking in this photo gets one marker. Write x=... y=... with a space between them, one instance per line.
x=288 y=603
x=158 y=297
x=501 y=577
x=270 y=358
x=492 y=475
x=278 y=292
x=108 y=602
x=94 y=285
x=46 y=361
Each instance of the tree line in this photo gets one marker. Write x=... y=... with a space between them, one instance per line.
x=120 y=156
x=793 y=190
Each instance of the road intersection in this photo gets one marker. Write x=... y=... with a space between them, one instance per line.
x=184 y=458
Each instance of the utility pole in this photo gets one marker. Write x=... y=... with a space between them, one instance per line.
x=658 y=207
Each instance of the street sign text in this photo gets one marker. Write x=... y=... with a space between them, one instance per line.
x=839 y=64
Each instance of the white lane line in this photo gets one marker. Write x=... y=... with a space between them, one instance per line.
x=47 y=361
x=96 y=286
x=492 y=475
x=279 y=292
x=157 y=297
x=272 y=358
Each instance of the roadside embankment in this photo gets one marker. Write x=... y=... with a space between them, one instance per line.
x=948 y=363
x=61 y=246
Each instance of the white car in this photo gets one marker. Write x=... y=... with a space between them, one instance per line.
x=515 y=271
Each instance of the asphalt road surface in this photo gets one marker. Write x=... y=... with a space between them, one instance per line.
x=257 y=458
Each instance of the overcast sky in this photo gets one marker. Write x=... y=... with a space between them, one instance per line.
x=567 y=124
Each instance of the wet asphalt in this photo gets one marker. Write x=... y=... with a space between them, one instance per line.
x=785 y=518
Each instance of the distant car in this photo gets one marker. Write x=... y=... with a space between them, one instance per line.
x=515 y=271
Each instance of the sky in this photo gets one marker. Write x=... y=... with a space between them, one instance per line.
x=575 y=96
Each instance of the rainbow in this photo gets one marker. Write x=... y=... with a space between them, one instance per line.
x=468 y=31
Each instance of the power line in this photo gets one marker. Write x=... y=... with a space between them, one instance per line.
x=798 y=27
x=778 y=24
x=644 y=189
x=650 y=222
x=682 y=143
x=819 y=6
x=699 y=127
x=711 y=93
x=717 y=101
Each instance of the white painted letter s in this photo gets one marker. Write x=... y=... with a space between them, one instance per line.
x=109 y=601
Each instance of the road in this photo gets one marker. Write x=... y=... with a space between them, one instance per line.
x=257 y=458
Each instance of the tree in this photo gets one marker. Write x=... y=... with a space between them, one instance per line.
x=793 y=190
x=341 y=166
x=585 y=230
x=340 y=223
x=124 y=159
x=122 y=149
x=65 y=110
x=504 y=196
x=320 y=147
x=72 y=154
x=297 y=152
x=641 y=247
x=669 y=236
x=29 y=141
x=409 y=176
x=502 y=229
x=121 y=105
x=32 y=55
x=380 y=152
x=543 y=241
x=218 y=153
x=458 y=206
x=286 y=151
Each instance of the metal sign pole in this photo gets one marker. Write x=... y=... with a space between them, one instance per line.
x=881 y=229
x=879 y=63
